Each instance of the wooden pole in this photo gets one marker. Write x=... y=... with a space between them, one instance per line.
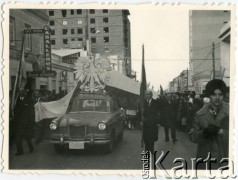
x=213 y=60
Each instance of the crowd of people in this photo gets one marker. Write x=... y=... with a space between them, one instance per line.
x=204 y=117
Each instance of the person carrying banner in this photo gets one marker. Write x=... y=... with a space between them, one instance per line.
x=24 y=121
x=150 y=129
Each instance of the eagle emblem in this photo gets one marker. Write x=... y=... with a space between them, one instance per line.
x=92 y=72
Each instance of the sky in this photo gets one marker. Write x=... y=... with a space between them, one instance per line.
x=165 y=34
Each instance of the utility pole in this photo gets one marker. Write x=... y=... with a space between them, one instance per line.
x=213 y=60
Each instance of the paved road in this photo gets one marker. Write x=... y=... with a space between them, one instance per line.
x=126 y=155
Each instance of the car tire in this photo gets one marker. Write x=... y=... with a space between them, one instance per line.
x=58 y=148
x=108 y=148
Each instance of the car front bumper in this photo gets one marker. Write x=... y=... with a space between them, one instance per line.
x=89 y=140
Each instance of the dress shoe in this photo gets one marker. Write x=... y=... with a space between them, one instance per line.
x=174 y=140
x=31 y=149
x=19 y=153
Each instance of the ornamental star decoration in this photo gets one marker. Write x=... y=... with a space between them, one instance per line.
x=92 y=73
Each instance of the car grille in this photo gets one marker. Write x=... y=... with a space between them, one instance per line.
x=78 y=131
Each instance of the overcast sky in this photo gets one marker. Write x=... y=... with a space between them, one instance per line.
x=165 y=34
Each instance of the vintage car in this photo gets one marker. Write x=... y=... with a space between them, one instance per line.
x=91 y=119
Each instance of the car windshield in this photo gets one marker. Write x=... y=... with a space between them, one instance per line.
x=92 y=105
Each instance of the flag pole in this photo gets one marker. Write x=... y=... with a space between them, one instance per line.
x=142 y=94
x=15 y=89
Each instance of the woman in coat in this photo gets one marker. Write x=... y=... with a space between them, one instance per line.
x=212 y=125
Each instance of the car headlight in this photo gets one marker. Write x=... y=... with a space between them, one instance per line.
x=102 y=126
x=53 y=126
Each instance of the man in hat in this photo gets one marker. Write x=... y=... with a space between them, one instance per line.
x=24 y=120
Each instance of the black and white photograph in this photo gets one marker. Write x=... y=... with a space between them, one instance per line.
x=143 y=88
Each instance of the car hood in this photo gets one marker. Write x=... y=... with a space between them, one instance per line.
x=86 y=118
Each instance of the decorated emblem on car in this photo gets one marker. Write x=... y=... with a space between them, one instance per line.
x=92 y=73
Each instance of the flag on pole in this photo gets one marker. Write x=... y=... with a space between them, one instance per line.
x=21 y=77
x=143 y=87
x=161 y=90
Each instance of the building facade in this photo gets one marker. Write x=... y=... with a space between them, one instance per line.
x=225 y=53
x=204 y=28
x=20 y=20
x=63 y=60
x=102 y=31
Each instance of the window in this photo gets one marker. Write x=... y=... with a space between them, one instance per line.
x=92 y=21
x=93 y=40
x=64 y=13
x=28 y=38
x=106 y=39
x=51 y=13
x=72 y=39
x=72 y=31
x=52 y=32
x=106 y=29
x=92 y=11
x=93 y=50
x=80 y=22
x=52 y=41
x=65 y=22
x=72 y=12
x=105 y=11
x=93 y=30
x=105 y=20
x=79 y=11
x=80 y=39
x=80 y=31
x=52 y=23
x=64 y=31
x=12 y=31
x=65 y=41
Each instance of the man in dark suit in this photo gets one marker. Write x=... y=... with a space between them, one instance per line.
x=24 y=120
x=150 y=129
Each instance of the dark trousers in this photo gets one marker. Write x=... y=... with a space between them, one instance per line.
x=149 y=146
x=173 y=133
x=19 y=144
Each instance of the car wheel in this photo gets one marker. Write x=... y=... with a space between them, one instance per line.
x=108 y=148
x=58 y=148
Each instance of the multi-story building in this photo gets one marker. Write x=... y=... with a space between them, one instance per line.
x=20 y=20
x=103 y=31
x=204 y=28
x=225 y=53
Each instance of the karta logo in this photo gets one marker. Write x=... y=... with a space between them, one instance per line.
x=153 y=166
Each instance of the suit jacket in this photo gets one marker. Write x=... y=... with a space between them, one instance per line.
x=150 y=129
x=216 y=144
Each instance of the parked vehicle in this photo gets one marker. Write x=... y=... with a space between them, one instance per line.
x=91 y=119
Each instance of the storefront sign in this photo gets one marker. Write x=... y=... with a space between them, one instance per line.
x=32 y=31
x=34 y=74
x=47 y=44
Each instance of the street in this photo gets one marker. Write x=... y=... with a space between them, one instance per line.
x=126 y=155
